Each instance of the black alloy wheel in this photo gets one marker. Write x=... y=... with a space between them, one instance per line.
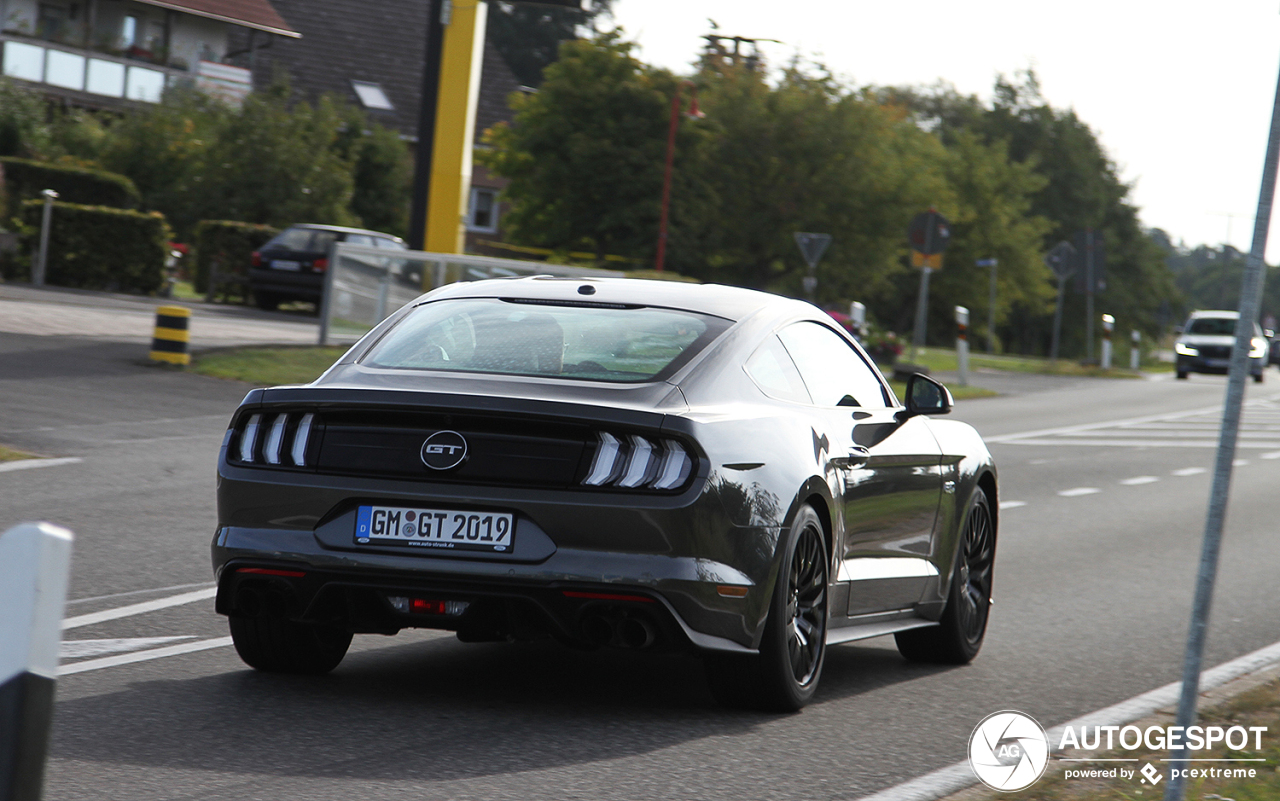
x=283 y=646
x=784 y=675
x=958 y=636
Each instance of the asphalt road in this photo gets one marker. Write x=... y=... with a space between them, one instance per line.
x=1098 y=548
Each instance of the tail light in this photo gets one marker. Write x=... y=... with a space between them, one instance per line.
x=257 y=259
x=320 y=265
x=631 y=461
x=275 y=439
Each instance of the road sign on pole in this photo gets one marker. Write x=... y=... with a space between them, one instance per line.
x=812 y=246
x=928 y=234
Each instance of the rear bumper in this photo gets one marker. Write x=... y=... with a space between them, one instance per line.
x=300 y=285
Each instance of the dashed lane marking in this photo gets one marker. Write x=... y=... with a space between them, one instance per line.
x=138 y=609
x=1190 y=471
x=1272 y=455
x=143 y=656
x=83 y=649
x=1240 y=463
x=28 y=464
x=1078 y=491
x=1136 y=480
x=1012 y=504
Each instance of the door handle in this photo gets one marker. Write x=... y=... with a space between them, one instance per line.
x=857 y=457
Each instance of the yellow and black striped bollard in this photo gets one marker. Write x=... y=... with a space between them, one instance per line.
x=172 y=335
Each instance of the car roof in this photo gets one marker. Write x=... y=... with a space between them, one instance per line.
x=730 y=302
x=343 y=229
x=1224 y=313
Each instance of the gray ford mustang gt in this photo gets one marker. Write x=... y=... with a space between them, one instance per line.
x=608 y=462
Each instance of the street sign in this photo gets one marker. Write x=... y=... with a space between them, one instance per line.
x=929 y=233
x=986 y=262
x=1060 y=260
x=812 y=246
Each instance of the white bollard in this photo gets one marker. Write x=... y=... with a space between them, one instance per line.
x=962 y=344
x=34 y=562
x=858 y=319
x=1135 y=340
x=1108 y=323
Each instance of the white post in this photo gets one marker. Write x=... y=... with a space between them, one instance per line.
x=1108 y=323
x=858 y=315
x=34 y=562
x=1135 y=340
x=38 y=270
x=962 y=344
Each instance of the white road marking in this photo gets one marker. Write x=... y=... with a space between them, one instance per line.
x=1012 y=504
x=1190 y=471
x=1272 y=455
x=945 y=781
x=1136 y=480
x=1078 y=491
x=27 y=464
x=1240 y=463
x=143 y=656
x=83 y=649
x=138 y=592
x=1154 y=418
x=138 y=609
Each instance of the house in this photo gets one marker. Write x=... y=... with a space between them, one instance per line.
x=118 y=53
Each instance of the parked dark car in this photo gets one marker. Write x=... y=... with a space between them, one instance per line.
x=292 y=265
x=610 y=463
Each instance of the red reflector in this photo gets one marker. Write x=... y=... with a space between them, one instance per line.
x=606 y=596
x=267 y=571
x=257 y=259
x=422 y=606
x=320 y=265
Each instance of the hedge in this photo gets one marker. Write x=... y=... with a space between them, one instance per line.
x=96 y=247
x=228 y=244
x=24 y=179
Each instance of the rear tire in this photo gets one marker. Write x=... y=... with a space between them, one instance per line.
x=267 y=301
x=958 y=636
x=1182 y=376
x=281 y=646
x=784 y=675
x=1257 y=378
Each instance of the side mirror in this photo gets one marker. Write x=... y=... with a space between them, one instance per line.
x=925 y=396
x=1268 y=333
x=1177 y=329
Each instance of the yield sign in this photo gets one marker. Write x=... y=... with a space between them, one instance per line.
x=812 y=246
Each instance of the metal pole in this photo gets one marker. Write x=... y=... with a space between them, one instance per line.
x=38 y=271
x=1250 y=294
x=1088 y=293
x=666 y=181
x=922 y=311
x=991 y=310
x=1057 y=319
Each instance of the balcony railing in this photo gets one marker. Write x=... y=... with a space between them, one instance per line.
x=95 y=73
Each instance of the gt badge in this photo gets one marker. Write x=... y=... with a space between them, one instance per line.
x=444 y=450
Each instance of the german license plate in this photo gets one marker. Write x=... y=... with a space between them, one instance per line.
x=285 y=264
x=448 y=529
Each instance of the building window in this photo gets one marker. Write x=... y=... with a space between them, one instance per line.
x=371 y=96
x=482 y=214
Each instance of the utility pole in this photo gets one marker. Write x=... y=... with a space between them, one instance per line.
x=991 y=303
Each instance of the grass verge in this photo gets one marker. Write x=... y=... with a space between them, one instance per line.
x=267 y=366
x=945 y=359
x=11 y=455
x=958 y=392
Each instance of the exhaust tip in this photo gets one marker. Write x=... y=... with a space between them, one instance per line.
x=597 y=629
x=636 y=632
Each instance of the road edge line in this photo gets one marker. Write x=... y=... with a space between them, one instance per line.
x=27 y=464
x=954 y=778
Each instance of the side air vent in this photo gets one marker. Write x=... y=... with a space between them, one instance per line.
x=630 y=461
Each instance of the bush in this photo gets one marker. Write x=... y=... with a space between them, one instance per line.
x=228 y=243
x=96 y=247
x=24 y=179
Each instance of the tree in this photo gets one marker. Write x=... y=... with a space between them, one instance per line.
x=585 y=153
x=529 y=36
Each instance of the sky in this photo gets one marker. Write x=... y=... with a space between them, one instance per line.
x=1179 y=93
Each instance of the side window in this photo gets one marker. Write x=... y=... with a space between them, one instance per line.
x=774 y=372
x=360 y=239
x=834 y=373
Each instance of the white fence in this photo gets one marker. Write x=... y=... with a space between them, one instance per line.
x=363 y=285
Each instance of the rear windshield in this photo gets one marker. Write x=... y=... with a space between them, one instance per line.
x=597 y=343
x=308 y=240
